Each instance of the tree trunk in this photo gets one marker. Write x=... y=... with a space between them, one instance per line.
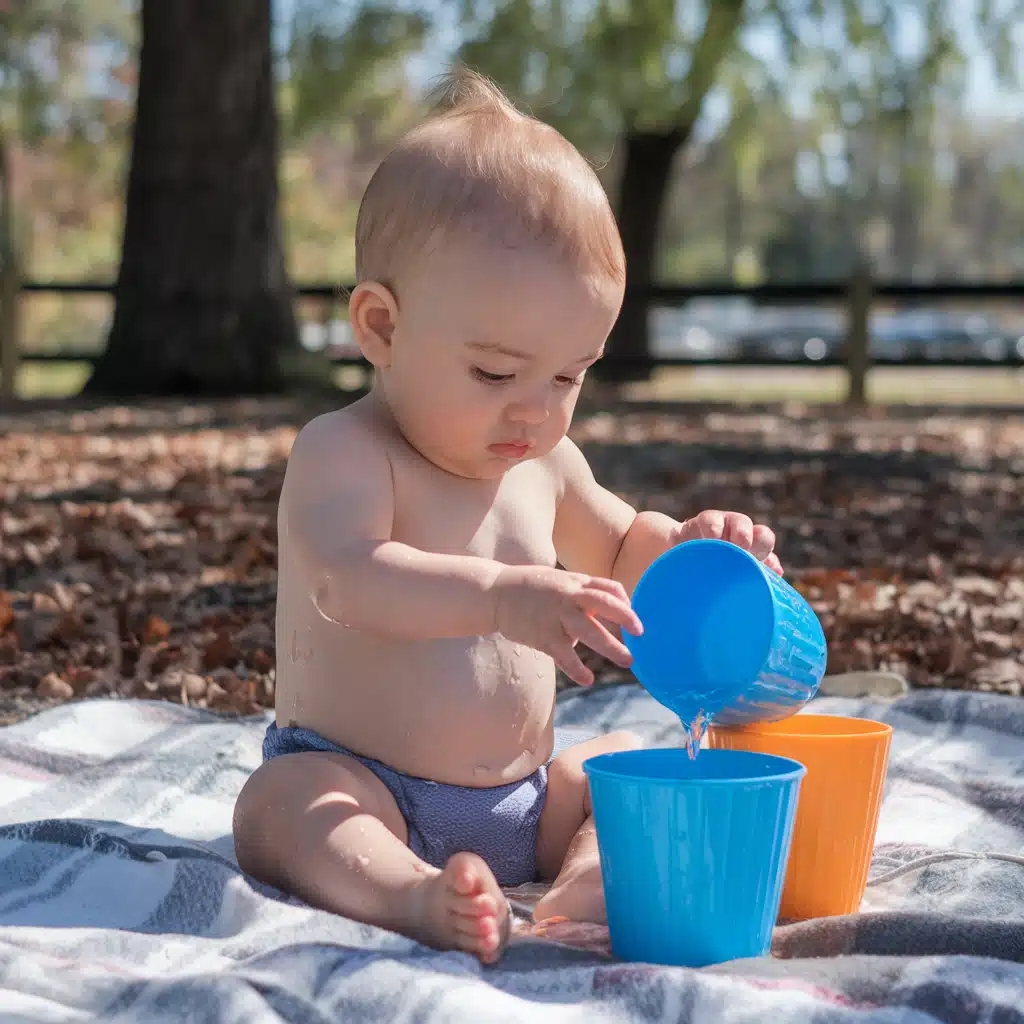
x=732 y=227
x=905 y=206
x=647 y=169
x=858 y=334
x=646 y=172
x=204 y=306
x=10 y=281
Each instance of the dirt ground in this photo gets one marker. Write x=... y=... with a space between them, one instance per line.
x=138 y=547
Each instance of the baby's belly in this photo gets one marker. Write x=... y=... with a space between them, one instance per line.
x=469 y=712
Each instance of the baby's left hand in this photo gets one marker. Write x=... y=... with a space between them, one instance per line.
x=736 y=528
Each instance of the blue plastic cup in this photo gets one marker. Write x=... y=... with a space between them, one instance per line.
x=724 y=635
x=693 y=852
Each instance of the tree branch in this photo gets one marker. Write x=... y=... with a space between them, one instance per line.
x=720 y=28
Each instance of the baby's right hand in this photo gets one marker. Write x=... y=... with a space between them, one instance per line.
x=552 y=610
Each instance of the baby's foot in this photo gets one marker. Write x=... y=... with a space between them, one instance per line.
x=464 y=909
x=577 y=895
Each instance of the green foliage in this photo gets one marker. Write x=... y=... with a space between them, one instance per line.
x=336 y=67
x=57 y=58
x=601 y=67
x=598 y=69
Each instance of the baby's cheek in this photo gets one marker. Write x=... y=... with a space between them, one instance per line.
x=564 y=417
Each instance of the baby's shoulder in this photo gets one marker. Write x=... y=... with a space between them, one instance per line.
x=565 y=463
x=340 y=443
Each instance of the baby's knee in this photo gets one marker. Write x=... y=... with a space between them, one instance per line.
x=623 y=739
x=612 y=743
x=251 y=823
x=567 y=768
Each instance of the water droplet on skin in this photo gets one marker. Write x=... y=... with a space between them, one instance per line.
x=364 y=861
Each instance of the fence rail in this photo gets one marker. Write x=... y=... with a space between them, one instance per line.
x=676 y=294
x=857 y=296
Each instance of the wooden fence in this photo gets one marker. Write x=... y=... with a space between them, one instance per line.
x=856 y=296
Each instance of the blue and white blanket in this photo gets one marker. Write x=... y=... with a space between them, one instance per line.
x=120 y=899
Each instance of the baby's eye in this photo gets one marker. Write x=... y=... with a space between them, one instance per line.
x=491 y=378
x=568 y=382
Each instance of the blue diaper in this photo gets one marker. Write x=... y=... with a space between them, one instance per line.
x=498 y=824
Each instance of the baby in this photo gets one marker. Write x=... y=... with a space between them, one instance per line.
x=444 y=546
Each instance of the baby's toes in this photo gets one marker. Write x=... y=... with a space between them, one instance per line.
x=468 y=875
x=480 y=936
x=482 y=931
x=477 y=908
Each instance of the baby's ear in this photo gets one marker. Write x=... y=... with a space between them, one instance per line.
x=373 y=312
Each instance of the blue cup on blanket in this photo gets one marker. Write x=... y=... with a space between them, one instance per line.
x=693 y=852
x=724 y=636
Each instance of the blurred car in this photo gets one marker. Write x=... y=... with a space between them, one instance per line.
x=692 y=335
x=793 y=335
x=942 y=337
x=810 y=335
x=334 y=338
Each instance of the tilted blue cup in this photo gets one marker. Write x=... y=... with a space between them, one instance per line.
x=693 y=852
x=724 y=636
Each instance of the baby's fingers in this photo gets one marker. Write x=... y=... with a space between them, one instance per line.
x=610 y=607
x=590 y=632
x=608 y=586
x=568 y=661
x=762 y=543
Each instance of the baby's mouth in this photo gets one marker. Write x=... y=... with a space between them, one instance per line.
x=510 y=449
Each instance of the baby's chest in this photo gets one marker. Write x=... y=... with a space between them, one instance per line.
x=513 y=523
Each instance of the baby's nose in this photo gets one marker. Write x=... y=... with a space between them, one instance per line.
x=532 y=409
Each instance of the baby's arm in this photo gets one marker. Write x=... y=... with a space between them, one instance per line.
x=598 y=533
x=337 y=510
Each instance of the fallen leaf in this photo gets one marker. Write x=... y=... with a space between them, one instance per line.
x=156 y=629
x=52 y=686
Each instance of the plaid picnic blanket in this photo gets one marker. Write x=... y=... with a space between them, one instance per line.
x=120 y=898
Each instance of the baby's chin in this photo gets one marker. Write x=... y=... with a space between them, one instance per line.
x=484 y=467
x=490 y=469
x=478 y=464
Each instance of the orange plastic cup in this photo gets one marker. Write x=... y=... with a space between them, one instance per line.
x=837 y=816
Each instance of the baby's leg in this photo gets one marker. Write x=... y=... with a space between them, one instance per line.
x=566 y=837
x=324 y=827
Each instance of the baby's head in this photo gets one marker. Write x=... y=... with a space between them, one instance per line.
x=489 y=274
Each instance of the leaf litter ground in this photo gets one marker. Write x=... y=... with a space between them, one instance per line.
x=138 y=543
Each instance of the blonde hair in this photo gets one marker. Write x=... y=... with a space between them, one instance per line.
x=479 y=167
